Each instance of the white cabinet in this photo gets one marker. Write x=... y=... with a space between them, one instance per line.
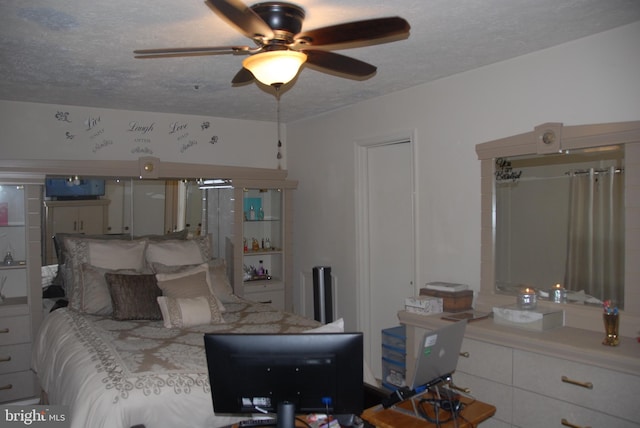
x=560 y=377
x=20 y=275
x=585 y=391
x=88 y=217
x=262 y=268
x=487 y=371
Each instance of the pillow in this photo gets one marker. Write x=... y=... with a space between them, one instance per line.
x=162 y=268
x=190 y=282
x=117 y=254
x=107 y=254
x=219 y=280
x=134 y=297
x=94 y=293
x=174 y=252
x=61 y=250
x=188 y=312
x=334 y=327
x=338 y=327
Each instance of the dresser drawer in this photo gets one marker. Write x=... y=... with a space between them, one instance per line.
x=15 y=330
x=532 y=410
x=265 y=294
x=15 y=358
x=612 y=393
x=15 y=386
x=497 y=394
x=486 y=360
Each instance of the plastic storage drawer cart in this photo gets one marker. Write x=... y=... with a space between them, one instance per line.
x=394 y=350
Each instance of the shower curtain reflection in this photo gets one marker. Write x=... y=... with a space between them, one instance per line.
x=595 y=251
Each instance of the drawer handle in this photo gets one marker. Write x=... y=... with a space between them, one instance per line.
x=267 y=301
x=587 y=385
x=9 y=386
x=460 y=388
x=569 y=424
x=464 y=354
x=5 y=359
x=4 y=330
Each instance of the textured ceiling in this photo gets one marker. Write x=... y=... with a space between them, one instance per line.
x=79 y=52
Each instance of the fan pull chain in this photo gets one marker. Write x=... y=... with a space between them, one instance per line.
x=279 y=153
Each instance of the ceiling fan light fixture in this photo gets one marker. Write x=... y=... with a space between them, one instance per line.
x=275 y=67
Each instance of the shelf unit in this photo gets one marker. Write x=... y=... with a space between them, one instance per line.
x=262 y=237
x=20 y=204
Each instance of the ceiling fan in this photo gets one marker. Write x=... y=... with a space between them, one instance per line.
x=280 y=46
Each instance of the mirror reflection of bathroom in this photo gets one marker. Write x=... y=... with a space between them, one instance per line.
x=560 y=220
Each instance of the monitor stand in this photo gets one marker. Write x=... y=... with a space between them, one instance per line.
x=286 y=415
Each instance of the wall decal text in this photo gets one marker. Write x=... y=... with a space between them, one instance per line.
x=142 y=129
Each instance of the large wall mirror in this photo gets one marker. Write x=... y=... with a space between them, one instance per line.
x=144 y=196
x=561 y=205
x=559 y=219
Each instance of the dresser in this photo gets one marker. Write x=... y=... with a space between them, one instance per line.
x=560 y=377
x=20 y=203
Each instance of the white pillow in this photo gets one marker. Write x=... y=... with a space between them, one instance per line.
x=338 y=327
x=191 y=282
x=219 y=281
x=117 y=254
x=334 y=327
x=94 y=291
x=188 y=312
x=108 y=254
x=174 y=252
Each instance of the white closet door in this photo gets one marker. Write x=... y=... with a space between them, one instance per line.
x=390 y=239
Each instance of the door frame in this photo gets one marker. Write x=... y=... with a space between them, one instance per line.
x=363 y=291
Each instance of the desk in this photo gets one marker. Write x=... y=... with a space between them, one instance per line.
x=472 y=414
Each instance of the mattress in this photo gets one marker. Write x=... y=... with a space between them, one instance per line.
x=116 y=374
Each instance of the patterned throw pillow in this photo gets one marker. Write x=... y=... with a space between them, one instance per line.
x=134 y=297
x=190 y=282
x=188 y=312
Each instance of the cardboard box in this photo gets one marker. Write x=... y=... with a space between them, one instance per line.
x=528 y=319
x=423 y=305
x=456 y=301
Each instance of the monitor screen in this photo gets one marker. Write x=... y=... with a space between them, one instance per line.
x=314 y=372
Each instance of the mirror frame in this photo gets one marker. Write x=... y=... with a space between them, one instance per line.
x=554 y=138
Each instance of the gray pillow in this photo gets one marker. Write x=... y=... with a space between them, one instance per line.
x=134 y=297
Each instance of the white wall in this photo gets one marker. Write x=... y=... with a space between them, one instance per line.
x=49 y=131
x=592 y=80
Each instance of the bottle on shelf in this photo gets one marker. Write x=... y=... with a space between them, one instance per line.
x=260 y=270
x=252 y=213
x=261 y=214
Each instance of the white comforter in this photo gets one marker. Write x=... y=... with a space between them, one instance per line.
x=118 y=374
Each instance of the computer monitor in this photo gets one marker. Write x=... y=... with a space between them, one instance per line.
x=294 y=373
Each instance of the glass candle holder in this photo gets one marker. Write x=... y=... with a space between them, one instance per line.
x=527 y=299
x=611 y=326
x=558 y=294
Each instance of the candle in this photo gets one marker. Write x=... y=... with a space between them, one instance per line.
x=527 y=298
x=558 y=294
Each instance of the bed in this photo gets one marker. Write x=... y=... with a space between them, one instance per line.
x=128 y=349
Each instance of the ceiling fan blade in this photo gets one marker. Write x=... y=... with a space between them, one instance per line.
x=195 y=51
x=370 y=30
x=339 y=63
x=241 y=16
x=242 y=76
